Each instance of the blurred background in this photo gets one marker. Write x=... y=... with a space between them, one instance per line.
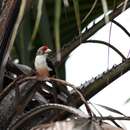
x=60 y=25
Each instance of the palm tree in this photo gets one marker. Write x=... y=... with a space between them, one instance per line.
x=25 y=26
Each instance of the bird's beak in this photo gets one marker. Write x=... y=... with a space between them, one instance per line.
x=48 y=50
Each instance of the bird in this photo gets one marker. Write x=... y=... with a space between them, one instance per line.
x=43 y=65
x=45 y=69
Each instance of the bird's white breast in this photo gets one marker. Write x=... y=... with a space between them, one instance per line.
x=40 y=62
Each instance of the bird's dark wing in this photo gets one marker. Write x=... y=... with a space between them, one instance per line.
x=52 y=73
x=50 y=65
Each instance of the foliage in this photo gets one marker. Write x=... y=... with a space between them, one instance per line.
x=24 y=99
x=46 y=31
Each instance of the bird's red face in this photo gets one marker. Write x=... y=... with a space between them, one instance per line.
x=43 y=50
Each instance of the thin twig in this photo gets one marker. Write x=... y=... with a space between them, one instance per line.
x=76 y=90
x=105 y=10
x=70 y=46
x=22 y=119
x=70 y=85
x=95 y=109
x=20 y=81
x=12 y=39
x=90 y=11
x=12 y=85
x=107 y=44
x=109 y=41
x=26 y=79
x=122 y=27
x=125 y=4
x=113 y=118
x=38 y=18
x=8 y=88
x=57 y=29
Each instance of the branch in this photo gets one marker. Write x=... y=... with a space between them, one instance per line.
x=107 y=44
x=90 y=11
x=19 y=69
x=7 y=21
x=10 y=19
x=40 y=109
x=91 y=88
x=120 y=26
x=113 y=118
x=12 y=85
x=70 y=46
x=76 y=90
x=9 y=106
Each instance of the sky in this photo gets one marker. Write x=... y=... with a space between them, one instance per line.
x=90 y=59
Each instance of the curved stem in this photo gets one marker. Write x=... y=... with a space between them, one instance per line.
x=114 y=118
x=120 y=26
x=90 y=11
x=42 y=108
x=9 y=46
x=77 y=91
x=107 y=44
x=70 y=46
x=38 y=18
x=11 y=86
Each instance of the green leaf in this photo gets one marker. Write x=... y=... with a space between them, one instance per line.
x=128 y=100
x=111 y=109
x=77 y=14
x=90 y=11
x=57 y=28
x=105 y=10
x=125 y=4
x=38 y=18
